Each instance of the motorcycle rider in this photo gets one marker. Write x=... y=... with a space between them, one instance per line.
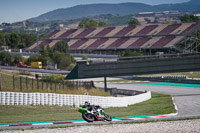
x=87 y=106
x=94 y=110
x=90 y=107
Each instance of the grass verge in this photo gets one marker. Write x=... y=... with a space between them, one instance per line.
x=159 y=104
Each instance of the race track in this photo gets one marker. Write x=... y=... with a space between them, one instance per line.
x=185 y=97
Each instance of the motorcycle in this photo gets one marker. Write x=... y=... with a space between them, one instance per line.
x=94 y=115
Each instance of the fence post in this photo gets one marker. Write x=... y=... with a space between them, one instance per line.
x=55 y=85
x=42 y=84
x=63 y=86
x=77 y=82
x=32 y=83
x=26 y=83
x=0 y=82
x=59 y=86
x=37 y=85
x=20 y=80
x=13 y=82
x=51 y=86
x=47 y=85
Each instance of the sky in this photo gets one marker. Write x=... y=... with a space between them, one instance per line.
x=19 y=10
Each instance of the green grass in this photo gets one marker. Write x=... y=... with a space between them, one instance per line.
x=159 y=104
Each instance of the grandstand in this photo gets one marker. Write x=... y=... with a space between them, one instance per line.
x=162 y=37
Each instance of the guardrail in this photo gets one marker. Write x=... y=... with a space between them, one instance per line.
x=158 y=56
x=18 y=98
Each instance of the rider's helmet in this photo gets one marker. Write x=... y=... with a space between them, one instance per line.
x=87 y=103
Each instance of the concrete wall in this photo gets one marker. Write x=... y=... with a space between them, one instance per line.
x=136 y=67
x=17 y=98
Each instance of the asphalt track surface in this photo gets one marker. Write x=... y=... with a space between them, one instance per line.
x=186 y=97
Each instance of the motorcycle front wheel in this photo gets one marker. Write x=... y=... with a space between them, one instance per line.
x=107 y=117
x=88 y=117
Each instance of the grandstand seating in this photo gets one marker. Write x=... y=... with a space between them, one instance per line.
x=104 y=32
x=121 y=37
x=85 y=33
x=146 y=30
x=52 y=43
x=51 y=34
x=77 y=32
x=114 y=31
x=162 y=42
x=117 y=43
x=157 y=29
x=96 y=31
x=67 y=33
x=71 y=42
x=139 y=42
x=124 y=31
x=180 y=29
x=78 y=43
x=174 y=41
x=107 y=43
x=127 y=43
x=88 y=43
x=149 y=43
x=136 y=30
x=55 y=36
x=169 y=29
x=42 y=44
x=191 y=28
x=34 y=45
x=97 y=43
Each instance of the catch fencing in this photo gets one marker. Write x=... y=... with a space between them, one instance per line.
x=29 y=84
x=18 y=98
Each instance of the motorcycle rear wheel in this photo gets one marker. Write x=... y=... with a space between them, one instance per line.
x=88 y=117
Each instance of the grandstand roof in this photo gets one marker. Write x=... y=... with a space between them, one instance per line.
x=122 y=37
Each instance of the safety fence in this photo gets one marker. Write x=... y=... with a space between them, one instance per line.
x=17 y=98
x=29 y=84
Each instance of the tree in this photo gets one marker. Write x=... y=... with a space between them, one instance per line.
x=131 y=53
x=102 y=24
x=44 y=56
x=27 y=39
x=84 y=57
x=16 y=59
x=168 y=22
x=14 y=40
x=134 y=22
x=2 y=39
x=61 y=46
x=189 y=18
x=5 y=58
x=33 y=58
x=83 y=23
x=88 y=23
x=61 y=60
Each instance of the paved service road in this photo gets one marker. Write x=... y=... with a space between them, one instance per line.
x=186 y=98
x=35 y=70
